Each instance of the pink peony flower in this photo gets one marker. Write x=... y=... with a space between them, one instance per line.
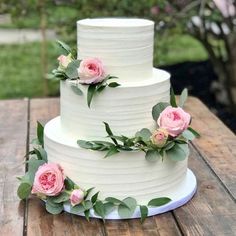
x=64 y=61
x=159 y=137
x=49 y=180
x=174 y=119
x=91 y=71
x=76 y=197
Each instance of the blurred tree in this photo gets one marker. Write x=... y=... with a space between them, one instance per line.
x=213 y=23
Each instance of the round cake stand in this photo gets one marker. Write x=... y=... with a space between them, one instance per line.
x=185 y=193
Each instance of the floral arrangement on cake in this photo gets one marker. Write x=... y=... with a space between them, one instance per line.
x=89 y=72
x=169 y=139
x=49 y=183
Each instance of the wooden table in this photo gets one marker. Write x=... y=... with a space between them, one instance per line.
x=212 y=211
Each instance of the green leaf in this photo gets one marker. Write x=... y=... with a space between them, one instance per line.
x=145 y=134
x=197 y=135
x=188 y=135
x=99 y=209
x=127 y=212
x=40 y=130
x=156 y=202
x=33 y=165
x=143 y=212
x=90 y=93
x=76 y=90
x=158 y=108
x=87 y=204
x=115 y=201
x=41 y=154
x=112 y=151
x=24 y=190
x=101 y=88
x=77 y=209
x=113 y=84
x=64 y=46
x=69 y=184
x=88 y=192
x=169 y=145
x=85 y=144
x=109 y=132
x=72 y=69
x=62 y=197
x=94 y=197
x=179 y=152
x=109 y=207
x=54 y=208
x=87 y=214
x=183 y=97
x=152 y=155
x=172 y=98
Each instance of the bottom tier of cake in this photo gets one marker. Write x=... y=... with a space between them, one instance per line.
x=127 y=174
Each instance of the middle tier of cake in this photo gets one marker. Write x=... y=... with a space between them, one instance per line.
x=127 y=109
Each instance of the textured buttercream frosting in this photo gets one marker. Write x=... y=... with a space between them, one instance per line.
x=124 y=45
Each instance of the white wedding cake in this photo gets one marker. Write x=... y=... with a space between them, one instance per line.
x=126 y=48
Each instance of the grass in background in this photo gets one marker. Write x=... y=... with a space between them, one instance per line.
x=20 y=69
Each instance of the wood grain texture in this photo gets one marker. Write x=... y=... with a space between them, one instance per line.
x=39 y=222
x=212 y=211
x=217 y=143
x=13 y=141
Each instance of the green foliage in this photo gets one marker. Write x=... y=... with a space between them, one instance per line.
x=157 y=109
x=24 y=190
x=152 y=155
x=40 y=130
x=71 y=70
x=183 y=97
x=156 y=202
x=144 y=212
x=178 y=152
x=76 y=89
x=53 y=208
x=144 y=134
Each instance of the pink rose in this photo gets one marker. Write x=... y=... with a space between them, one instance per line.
x=174 y=119
x=76 y=197
x=64 y=61
x=91 y=71
x=159 y=137
x=49 y=180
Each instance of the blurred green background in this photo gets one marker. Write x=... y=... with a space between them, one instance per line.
x=23 y=67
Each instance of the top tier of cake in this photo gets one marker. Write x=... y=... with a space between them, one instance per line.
x=125 y=46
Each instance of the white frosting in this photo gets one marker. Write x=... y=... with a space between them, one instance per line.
x=126 y=109
x=124 y=45
x=125 y=174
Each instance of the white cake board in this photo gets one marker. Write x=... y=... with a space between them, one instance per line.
x=186 y=192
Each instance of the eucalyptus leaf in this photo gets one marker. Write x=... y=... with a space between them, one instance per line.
x=101 y=88
x=62 y=197
x=112 y=151
x=197 y=135
x=169 y=145
x=109 y=132
x=90 y=93
x=94 y=197
x=178 y=153
x=54 y=208
x=188 y=135
x=40 y=130
x=88 y=191
x=156 y=202
x=109 y=207
x=115 y=201
x=158 y=108
x=152 y=155
x=85 y=144
x=144 y=212
x=113 y=84
x=87 y=204
x=77 y=209
x=99 y=209
x=41 y=154
x=76 y=90
x=183 y=97
x=72 y=69
x=145 y=134
x=172 y=98
x=127 y=212
x=24 y=190
x=87 y=214
x=33 y=165
x=69 y=184
x=64 y=46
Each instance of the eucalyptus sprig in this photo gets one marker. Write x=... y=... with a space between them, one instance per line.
x=99 y=87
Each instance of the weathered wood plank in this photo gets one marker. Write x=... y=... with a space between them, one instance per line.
x=217 y=143
x=212 y=211
x=40 y=222
x=13 y=142
x=161 y=225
